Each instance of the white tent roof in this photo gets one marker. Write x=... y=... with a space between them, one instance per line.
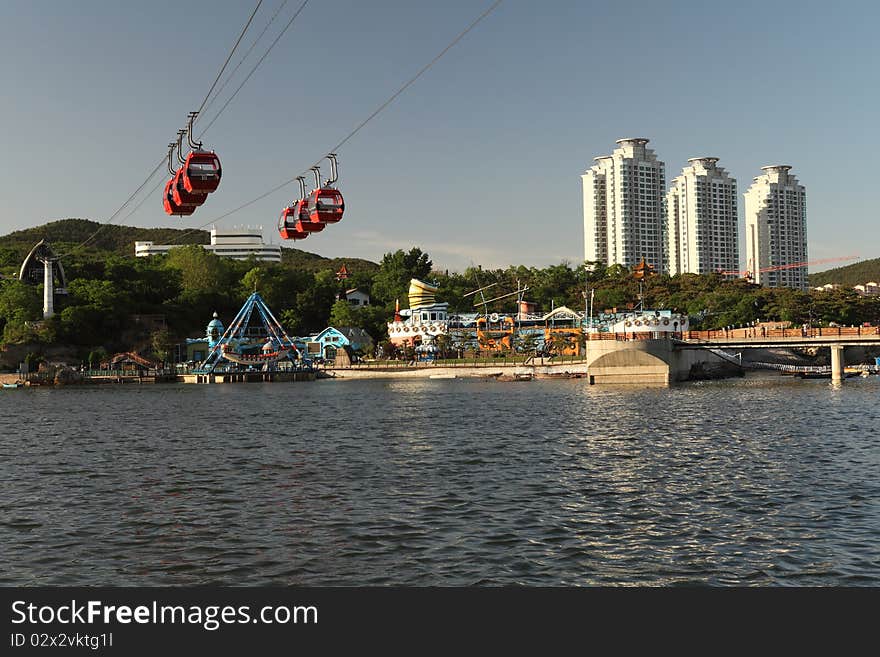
x=563 y=312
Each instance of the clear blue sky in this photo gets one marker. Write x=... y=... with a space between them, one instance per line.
x=480 y=160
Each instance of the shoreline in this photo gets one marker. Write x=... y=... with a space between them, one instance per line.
x=504 y=372
x=507 y=373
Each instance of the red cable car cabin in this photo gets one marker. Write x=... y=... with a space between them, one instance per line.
x=183 y=197
x=201 y=172
x=302 y=213
x=303 y=228
x=326 y=205
x=287 y=225
x=173 y=208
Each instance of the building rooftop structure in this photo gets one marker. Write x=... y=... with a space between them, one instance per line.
x=869 y=289
x=238 y=243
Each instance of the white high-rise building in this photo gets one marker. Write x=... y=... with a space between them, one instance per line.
x=702 y=220
x=623 y=206
x=595 y=210
x=776 y=228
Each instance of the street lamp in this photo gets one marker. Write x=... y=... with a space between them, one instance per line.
x=588 y=295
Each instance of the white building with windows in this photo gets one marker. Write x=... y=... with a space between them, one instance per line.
x=357 y=298
x=624 y=217
x=702 y=219
x=870 y=289
x=235 y=243
x=776 y=229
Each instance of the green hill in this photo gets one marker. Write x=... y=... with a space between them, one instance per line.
x=856 y=274
x=299 y=259
x=68 y=234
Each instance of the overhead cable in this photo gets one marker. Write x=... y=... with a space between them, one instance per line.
x=363 y=123
x=162 y=161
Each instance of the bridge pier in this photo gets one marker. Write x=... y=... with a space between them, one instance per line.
x=837 y=362
x=639 y=362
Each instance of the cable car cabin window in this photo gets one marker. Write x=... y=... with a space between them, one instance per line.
x=288 y=216
x=203 y=169
x=328 y=202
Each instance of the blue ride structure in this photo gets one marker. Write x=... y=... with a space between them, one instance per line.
x=254 y=341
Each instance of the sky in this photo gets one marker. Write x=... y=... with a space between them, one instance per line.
x=479 y=161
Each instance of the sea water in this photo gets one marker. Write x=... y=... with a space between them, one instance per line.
x=442 y=482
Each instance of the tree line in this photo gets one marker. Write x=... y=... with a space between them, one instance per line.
x=105 y=291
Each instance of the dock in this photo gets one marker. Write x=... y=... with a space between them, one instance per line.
x=248 y=377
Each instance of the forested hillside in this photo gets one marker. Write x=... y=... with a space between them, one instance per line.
x=103 y=240
x=855 y=274
x=109 y=290
x=66 y=234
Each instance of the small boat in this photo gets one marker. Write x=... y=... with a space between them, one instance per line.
x=17 y=384
x=514 y=377
x=847 y=374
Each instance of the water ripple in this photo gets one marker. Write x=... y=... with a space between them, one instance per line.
x=442 y=483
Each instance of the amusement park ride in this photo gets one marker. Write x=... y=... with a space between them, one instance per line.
x=495 y=331
x=253 y=342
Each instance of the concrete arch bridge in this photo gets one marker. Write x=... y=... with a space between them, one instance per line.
x=664 y=358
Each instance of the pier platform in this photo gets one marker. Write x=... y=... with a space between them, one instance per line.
x=247 y=377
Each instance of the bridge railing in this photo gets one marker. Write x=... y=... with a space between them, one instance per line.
x=758 y=332
x=634 y=335
x=744 y=333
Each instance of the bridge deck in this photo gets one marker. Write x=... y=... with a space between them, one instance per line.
x=744 y=338
x=770 y=343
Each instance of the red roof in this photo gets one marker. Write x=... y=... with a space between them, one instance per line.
x=132 y=357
